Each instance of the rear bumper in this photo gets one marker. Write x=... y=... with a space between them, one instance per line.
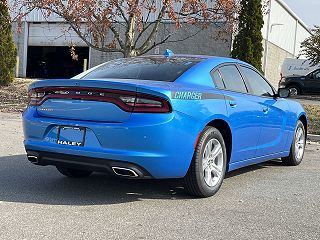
x=84 y=163
x=160 y=144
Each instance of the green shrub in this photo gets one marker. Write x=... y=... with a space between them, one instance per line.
x=8 y=50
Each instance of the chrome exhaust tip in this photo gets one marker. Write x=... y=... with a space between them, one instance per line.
x=33 y=159
x=124 y=172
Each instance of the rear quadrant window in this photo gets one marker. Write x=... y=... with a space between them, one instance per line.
x=217 y=80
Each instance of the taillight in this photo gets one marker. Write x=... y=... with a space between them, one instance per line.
x=126 y=100
x=35 y=97
x=151 y=104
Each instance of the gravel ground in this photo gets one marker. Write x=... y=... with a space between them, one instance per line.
x=268 y=201
x=307 y=101
x=13 y=98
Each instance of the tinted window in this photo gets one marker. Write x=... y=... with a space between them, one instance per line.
x=217 y=79
x=151 y=68
x=258 y=84
x=316 y=74
x=232 y=79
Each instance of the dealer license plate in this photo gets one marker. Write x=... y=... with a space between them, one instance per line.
x=71 y=136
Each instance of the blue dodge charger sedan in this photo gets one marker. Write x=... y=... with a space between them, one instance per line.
x=170 y=116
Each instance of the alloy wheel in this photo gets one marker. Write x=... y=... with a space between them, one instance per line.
x=212 y=162
x=293 y=91
x=299 y=143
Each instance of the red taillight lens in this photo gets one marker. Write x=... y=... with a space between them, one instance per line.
x=126 y=100
x=151 y=104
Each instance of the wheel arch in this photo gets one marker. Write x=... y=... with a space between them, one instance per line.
x=226 y=132
x=304 y=120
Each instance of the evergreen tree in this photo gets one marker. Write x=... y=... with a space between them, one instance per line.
x=247 y=44
x=8 y=50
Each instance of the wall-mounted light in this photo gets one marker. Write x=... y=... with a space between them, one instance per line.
x=274 y=25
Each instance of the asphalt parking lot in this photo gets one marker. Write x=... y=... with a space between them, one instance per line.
x=268 y=201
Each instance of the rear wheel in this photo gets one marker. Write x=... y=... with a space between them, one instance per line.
x=74 y=173
x=208 y=167
x=297 y=147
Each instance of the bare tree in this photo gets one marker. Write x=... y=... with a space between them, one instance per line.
x=130 y=26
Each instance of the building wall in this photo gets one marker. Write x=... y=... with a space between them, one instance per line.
x=275 y=59
x=21 y=41
x=283 y=32
x=283 y=28
x=205 y=42
x=302 y=34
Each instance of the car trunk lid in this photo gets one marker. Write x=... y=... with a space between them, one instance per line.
x=94 y=100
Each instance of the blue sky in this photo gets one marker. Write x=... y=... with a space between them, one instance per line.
x=307 y=10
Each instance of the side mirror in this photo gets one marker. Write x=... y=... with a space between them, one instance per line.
x=283 y=93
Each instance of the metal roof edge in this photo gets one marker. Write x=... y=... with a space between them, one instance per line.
x=293 y=14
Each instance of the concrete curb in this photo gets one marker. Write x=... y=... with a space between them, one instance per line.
x=313 y=138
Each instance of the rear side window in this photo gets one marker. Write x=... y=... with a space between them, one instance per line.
x=259 y=86
x=144 y=68
x=217 y=79
x=232 y=79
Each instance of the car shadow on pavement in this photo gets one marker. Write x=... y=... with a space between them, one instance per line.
x=272 y=163
x=20 y=181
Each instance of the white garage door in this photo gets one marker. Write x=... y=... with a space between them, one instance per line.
x=53 y=34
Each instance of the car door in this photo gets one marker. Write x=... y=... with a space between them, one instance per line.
x=312 y=82
x=273 y=123
x=244 y=113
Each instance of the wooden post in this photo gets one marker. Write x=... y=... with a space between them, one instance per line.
x=17 y=66
x=85 y=64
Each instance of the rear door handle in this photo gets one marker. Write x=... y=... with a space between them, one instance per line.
x=266 y=110
x=233 y=103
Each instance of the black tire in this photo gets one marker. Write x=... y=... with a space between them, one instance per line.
x=293 y=159
x=294 y=90
x=194 y=181
x=74 y=173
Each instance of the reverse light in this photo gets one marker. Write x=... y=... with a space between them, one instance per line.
x=126 y=100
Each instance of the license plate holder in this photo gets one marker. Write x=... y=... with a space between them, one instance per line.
x=71 y=136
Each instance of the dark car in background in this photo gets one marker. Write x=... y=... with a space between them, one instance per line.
x=302 y=84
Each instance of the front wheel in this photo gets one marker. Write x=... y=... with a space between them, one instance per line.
x=294 y=91
x=208 y=166
x=74 y=173
x=297 y=147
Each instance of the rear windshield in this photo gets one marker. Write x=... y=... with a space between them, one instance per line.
x=144 y=68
